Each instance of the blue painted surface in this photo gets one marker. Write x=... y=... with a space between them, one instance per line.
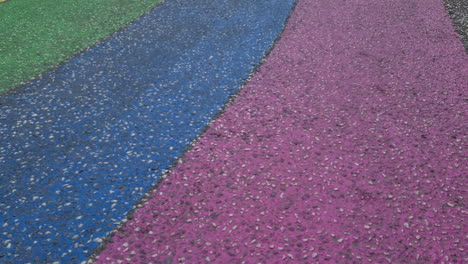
x=81 y=145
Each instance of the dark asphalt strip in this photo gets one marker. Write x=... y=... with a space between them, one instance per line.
x=458 y=11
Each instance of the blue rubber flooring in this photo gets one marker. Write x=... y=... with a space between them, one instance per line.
x=81 y=145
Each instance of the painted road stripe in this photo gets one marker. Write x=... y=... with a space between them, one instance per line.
x=346 y=147
x=80 y=145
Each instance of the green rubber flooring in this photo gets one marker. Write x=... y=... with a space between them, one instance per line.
x=36 y=35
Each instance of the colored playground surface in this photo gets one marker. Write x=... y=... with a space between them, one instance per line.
x=36 y=36
x=346 y=147
x=268 y=131
x=82 y=144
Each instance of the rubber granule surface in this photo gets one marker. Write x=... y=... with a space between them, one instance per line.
x=346 y=147
x=81 y=145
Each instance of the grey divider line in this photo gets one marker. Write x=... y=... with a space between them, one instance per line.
x=458 y=12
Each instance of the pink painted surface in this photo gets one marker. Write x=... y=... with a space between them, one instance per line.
x=346 y=147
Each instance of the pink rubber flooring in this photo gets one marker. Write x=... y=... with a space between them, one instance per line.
x=346 y=147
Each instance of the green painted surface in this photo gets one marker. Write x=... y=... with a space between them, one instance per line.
x=37 y=35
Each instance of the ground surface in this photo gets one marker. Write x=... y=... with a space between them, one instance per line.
x=458 y=11
x=82 y=144
x=38 y=35
x=347 y=146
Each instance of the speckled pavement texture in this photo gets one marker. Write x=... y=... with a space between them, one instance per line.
x=458 y=11
x=346 y=147
x=81 y=145
x=37 y=36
